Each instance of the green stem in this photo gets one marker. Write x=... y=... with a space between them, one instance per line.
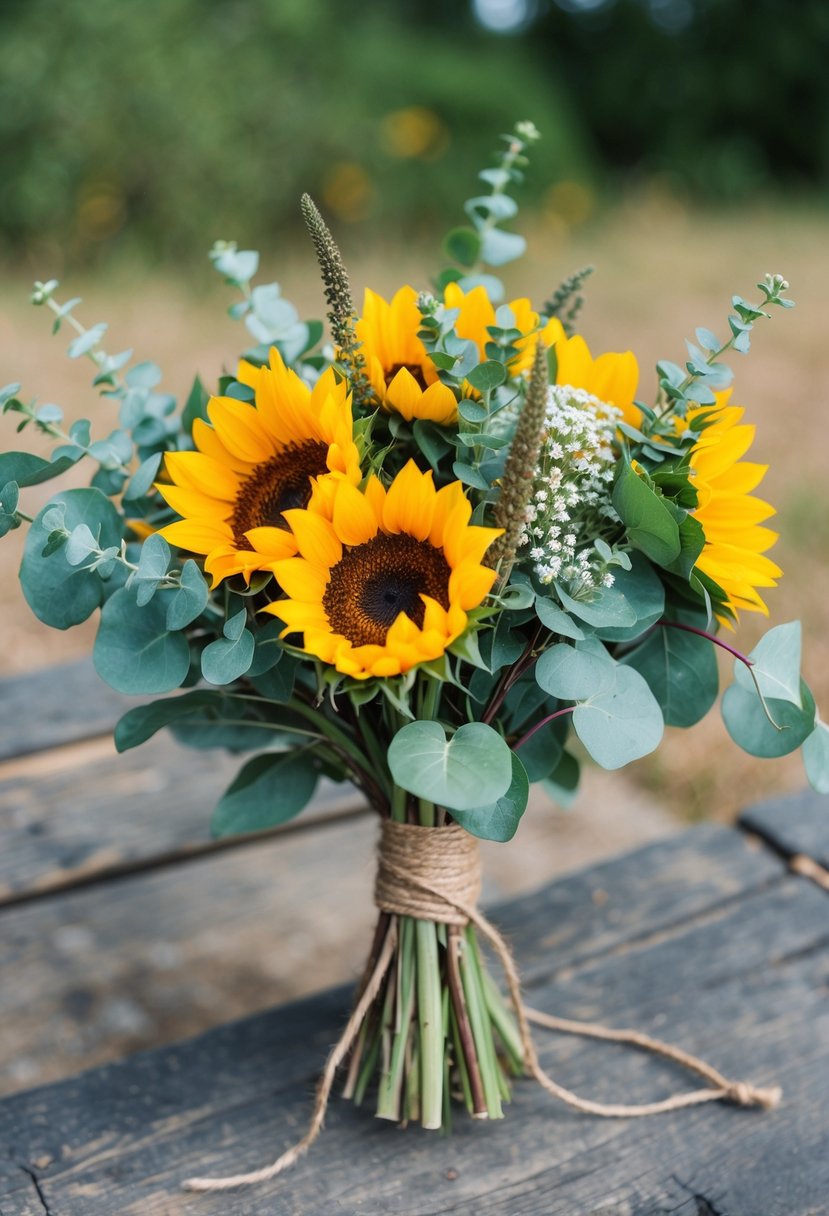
x=481 y=1026
x=504 y=1022
x=391 y=1082
x=430 y=1020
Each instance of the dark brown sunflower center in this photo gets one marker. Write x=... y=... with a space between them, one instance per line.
x=415 y=369
x=277 y=485
x=373 y=583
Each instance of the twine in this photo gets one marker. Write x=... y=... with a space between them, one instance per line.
x=434 y=874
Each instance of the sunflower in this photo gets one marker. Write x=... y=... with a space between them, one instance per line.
x=256 y=461
x=477 y=314
x=402 y=375
x=611 y=378
x=735 y=543
x=387 y=582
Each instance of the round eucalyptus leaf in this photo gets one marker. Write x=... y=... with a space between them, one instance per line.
x=644 y=592
x=134 y=652
x=59 y=594
x=499 y=820
x=776 y=664
x=472 y=769
x=226 y=659
x=620 y=723
x=571 y=674
x=751 y=730
x=816 y=758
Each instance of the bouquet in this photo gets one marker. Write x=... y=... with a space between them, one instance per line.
x=442 y=558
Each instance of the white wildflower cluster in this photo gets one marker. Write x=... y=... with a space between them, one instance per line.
x=570 y=508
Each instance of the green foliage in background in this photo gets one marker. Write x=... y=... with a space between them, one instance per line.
x=171 y=121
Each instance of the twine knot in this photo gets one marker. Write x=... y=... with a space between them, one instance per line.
x=428 y=873
x=743 y=1093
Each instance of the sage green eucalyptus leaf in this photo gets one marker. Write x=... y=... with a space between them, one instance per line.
x=499 y=247
x=187 y=601
x=487 y=376
x=621 y=723
x=747 y=724
x=229 y=657
x=134 y=652
x=776 y=664
x=605 y=609
x=463 y=245
x=59 y=594
x=556 y=619
x=644 y=593
x=572 y=674
x=29 y=470
x=816 y=757
x=681 y=671
x=141 y=482
x=471 y=769
x=499 y=820
x=141 y=723
x=269 y=790
x=649 y=524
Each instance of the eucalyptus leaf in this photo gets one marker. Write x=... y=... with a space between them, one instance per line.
x=816 y=757
x=775 y=664
x=499 y=820
x=620 y=723
x=228 y=658
x=59 y=594
x=563 y=782
x=140 y=724
x=571 y=674
x=749 y=727
x=471 y=769
x=556 y=619
x=681 y=671
x=189 y=600
x=269 y=790
x=29 y=470
x=134 y=652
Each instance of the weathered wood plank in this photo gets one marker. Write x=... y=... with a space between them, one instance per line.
x=742 y=983
x=88 y=812
x=130 y=964
x=56 y=706
x=796 y=824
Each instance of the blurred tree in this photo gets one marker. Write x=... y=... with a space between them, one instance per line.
x=171 y=122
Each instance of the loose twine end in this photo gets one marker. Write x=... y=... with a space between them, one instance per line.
x=434 y=874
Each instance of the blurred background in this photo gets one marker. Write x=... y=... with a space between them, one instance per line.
x=685 y=152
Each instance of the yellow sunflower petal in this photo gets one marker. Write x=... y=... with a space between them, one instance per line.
x=202 y=473
x=240 y=429
x=196 y=536
x=315 y=537
x=355 y=522
x=410 y=503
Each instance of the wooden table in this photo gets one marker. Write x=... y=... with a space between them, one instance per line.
x=708 y=939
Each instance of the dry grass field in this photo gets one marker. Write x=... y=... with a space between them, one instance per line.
x=661 y=271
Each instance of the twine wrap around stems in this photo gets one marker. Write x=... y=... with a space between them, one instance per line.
x=434 y=874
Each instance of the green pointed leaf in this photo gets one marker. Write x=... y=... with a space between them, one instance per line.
x=134 y=652
x=649 y=524
x=29 y=470
x=140 y=724
x=471 y=769
x=269 y=790
x=620 y=723
x=499 y=820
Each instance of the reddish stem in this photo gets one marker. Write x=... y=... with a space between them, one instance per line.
x=711 y=638
x=550 y=717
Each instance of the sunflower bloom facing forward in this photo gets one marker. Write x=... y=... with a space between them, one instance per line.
x=387 y=583
x=735 y=543
x=256 y=461
x=402 y=375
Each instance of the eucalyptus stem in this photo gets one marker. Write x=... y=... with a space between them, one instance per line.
x=481 y=1028
x=391 y=1082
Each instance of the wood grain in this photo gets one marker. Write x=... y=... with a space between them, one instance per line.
x=796 y=824
x=739 y=976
